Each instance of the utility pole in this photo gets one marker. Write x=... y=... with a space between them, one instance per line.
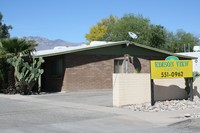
x=184 y=48
x=188 y=47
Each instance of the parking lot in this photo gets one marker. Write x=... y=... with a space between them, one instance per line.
x=80 y=112
x=100 y=97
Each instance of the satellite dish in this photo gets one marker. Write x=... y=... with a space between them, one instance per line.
x=132 y=35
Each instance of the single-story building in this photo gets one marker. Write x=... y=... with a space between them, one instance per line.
x=92 y=66
x=196 y=62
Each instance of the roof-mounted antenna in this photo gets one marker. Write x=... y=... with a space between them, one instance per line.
x=132 y=35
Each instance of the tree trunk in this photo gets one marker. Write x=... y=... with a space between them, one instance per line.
x=24 y=88
x=11 y=80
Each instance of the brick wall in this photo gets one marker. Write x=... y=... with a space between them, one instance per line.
x=88 y=72
x=83 y=72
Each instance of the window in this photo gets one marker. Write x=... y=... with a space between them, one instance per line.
x=118 y=66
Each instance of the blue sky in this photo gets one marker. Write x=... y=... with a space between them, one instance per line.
x=70 y=20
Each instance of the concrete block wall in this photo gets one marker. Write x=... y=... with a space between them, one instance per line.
x=131 y=89
x=136 y=89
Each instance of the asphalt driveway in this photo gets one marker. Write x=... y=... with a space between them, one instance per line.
x=83 y=112
x=96 y=97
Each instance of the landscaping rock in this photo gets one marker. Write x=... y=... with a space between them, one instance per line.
x=165 y=105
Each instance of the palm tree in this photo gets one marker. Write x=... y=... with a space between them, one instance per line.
x=15 y=47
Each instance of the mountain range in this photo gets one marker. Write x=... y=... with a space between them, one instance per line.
x=44 y=43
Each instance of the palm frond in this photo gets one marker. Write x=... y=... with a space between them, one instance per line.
x=15 y=46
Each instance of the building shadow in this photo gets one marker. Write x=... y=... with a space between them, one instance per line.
x=172 y=92
x=195 y=92
x=137 y=64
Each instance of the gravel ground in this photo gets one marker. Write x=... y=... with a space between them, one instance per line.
x=165 y=105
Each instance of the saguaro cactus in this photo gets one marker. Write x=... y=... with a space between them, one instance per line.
x=26 y=74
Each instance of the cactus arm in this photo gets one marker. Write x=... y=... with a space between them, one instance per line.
x=25 y=72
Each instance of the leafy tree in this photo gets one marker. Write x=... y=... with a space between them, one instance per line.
x=4 y=33
x=3 y=73
x=148 y=34
x=4 y=29
x=175 y=42
x=119 y=30
x=98 y=31
x=157 y=36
